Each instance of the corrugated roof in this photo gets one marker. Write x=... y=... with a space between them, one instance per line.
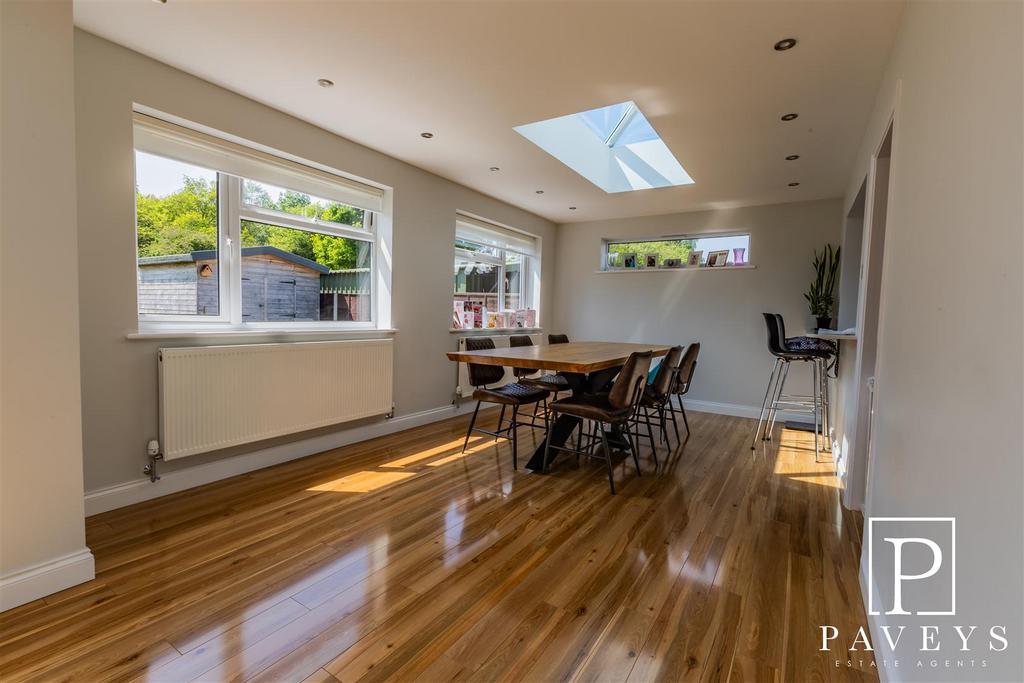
x=210 y=254
x=347 y=281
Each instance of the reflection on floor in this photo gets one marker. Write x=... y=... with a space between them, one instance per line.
x=403 y=559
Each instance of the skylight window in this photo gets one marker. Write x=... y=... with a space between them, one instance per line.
x=614 y=147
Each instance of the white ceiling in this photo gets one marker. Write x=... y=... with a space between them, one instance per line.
x=704 y=73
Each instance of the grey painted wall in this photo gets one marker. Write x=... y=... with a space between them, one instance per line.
x=947 y=427
x=119 y=378
x=40 y=409
x=720 y=309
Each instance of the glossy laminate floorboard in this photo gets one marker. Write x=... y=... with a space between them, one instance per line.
x=403 y=559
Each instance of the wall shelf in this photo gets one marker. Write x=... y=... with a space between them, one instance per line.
x=495 y=331
x=746 y=266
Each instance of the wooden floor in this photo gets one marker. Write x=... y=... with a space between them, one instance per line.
x=402 y=559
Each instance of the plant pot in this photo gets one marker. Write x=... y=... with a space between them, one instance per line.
x=824 y=322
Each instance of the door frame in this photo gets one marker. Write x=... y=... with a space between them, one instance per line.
x=858 y=483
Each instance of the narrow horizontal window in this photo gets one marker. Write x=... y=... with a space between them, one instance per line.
x=678 y=252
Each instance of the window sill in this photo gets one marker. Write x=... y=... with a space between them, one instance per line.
x=268 y=334
x=747 y=266
x=495 y=330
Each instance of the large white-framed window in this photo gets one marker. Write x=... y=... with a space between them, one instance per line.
x=231 y=236
x=496 y=276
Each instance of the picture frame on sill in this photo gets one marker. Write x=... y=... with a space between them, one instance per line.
x=672 y=263
x=629 y=260
x=651 y=261
x=693 y=260
x=717 y=259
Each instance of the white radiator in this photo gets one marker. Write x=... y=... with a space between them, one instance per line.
x=214 y=397
x=462 y=386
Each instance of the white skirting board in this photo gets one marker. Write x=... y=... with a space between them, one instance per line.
x=128 y=493
x=120 y=495
x=46 y=578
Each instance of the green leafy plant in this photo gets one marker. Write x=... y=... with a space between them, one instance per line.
x=820 y=294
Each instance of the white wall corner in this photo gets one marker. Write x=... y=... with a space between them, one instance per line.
x=46 y=578
x=875 y=624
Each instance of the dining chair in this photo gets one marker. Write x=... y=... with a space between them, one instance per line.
x=681 y=385
x=553 y=383
x=514 y=394
x=614 y=409
x=549 y=381
x=653 y=401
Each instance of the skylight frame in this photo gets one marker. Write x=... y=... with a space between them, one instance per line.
x=580 y=142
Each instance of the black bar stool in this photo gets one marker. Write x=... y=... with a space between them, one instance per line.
x=784 y=356
x=828 y=353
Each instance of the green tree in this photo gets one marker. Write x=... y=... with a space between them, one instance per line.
x=186 y=221
x=254 y=193
x=679 y=249
x=179 y=223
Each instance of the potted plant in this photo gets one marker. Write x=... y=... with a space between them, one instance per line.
x=820 y=295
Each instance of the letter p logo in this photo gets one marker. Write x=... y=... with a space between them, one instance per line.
x=912 y=564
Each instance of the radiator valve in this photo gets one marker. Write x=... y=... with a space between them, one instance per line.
x=153 y=451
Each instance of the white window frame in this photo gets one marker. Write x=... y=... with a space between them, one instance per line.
x=500 y=261
x=607 y=242
x=502 y=236
x=231 y=211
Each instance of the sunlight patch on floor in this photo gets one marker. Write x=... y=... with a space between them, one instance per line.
x=481 y=445
x=795 y=460
x=424 y=454
x=362 y=482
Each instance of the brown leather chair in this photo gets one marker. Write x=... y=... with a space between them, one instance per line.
x=614 y=409
x=549 y=381
x=653 y=402
x=517 y=340
x=514 y=394
x=681 y=384
x=553 y=383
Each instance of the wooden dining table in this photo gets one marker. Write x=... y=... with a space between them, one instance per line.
x=588 y=367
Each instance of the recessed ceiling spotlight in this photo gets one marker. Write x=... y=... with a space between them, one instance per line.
x=540 y=191
x=794 y=184
x=785 y=44
x=572 y=208
x=789 y=117
x=325 y=82
x=495 y=168
x=792 y=157
x=426 y=136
